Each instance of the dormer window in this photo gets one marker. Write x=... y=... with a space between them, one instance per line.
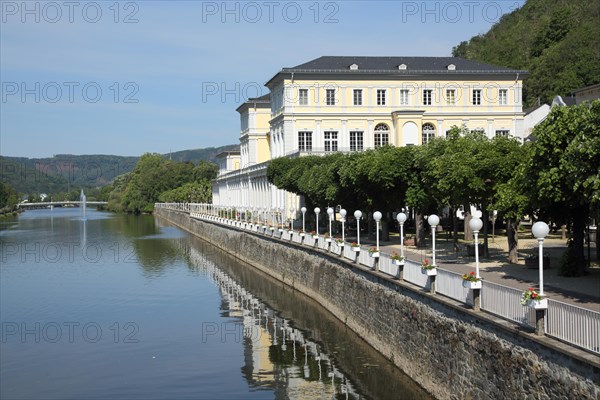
x=354 y=67
x=451 y=67
x=402 y=66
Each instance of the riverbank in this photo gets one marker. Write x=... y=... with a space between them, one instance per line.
x=452 y=351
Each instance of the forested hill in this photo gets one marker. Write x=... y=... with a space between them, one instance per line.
x=557 y=41
x=65 y=172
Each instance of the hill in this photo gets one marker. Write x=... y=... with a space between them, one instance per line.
x=65 y=172
x=555 y=40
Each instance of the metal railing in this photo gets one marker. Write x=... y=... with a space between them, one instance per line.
x=450 y=285
x=569 y=323
x=573 y=324
x=505 y=302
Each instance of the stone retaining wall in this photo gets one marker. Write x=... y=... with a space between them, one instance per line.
x=452 y=351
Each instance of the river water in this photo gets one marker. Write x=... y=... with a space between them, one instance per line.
x=125 y=307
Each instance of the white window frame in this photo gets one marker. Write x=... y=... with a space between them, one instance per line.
x=304 y=140
x=451 y=97
x=403 y=97
x=330 y=98
x=381 y=137
x=301 y=97
x=358 y=92
x=476 y=97
x=381 y=95
x=427 y=134
x=503 y=97
x=427 y=97
x=502 y=132
x=330 y=140
x=357 y=140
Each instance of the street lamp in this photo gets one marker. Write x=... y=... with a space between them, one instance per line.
x=433 y=220
x=401 y=217
x=377 y=217
x=330 y=213
x=358 y=215
x=475 y=224
x=540 y=230
x=317 y=211
x=303 y=210
x=343 y=213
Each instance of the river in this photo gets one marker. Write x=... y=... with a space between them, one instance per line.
x=118 y=306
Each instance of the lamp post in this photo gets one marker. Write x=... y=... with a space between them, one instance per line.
x=343 y=213
x=433 y=220
x=401 y=218
x=330 y=213
x=317 y=211
x=540 y=230
x=358 y=215
x=303 y=210
x=377 y=217
x=475 y=224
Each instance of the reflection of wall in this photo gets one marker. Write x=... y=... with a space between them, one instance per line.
x=410 y=327
x=277 y=356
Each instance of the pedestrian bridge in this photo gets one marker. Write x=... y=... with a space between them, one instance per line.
x=46 y=204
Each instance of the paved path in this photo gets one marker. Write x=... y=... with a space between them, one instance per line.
x=582 y=291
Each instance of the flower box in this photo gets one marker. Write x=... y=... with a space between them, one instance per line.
x=316 y=237
x=375 y=254
x=328 y=240
x=429 y=272
x=341 y=244
x=538 y=304
x=471 y=284
x=301 y=234
x=280 y=230
x=291 y=233
x=356 y=249
x=398 y=262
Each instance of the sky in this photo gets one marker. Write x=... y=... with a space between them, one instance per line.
x=130 y=77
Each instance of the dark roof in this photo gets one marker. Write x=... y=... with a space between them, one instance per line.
x=226 y=153
x=414 y=65
x=583 y=89
x=264 y=99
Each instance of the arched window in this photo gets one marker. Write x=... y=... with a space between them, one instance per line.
x=382 y=135
x=428 y=133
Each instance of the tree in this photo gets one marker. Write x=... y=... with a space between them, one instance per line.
x=193 y=192
x=562 y=174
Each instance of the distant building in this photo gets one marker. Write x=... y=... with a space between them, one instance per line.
x=349 y=104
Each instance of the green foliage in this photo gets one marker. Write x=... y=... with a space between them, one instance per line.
x=155 y=177
x=193 y=192
x=561 y=175
x=64 y=172
x=8 y=198
x=555 y=40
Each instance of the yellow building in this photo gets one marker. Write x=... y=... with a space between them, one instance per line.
x=348 y=104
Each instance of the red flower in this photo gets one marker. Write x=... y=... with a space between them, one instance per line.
x=530 y=289
x=533 y=295
x=472 y=273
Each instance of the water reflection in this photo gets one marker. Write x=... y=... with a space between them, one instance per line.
x=302 y=351
x=277 y=355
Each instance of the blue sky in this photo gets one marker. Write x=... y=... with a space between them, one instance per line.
x=132 y=77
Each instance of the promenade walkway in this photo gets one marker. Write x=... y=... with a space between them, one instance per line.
x=581 y=291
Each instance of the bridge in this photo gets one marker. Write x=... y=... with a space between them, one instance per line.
x=65 y=203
